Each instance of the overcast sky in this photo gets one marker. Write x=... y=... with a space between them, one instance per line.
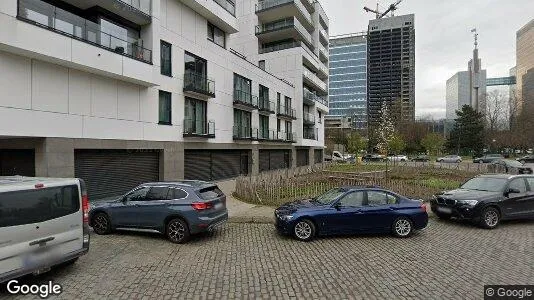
x=443 y=40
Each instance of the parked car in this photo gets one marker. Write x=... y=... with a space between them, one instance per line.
x=450 y=159
x=175 y=209
x=422 y=158
x=488 y=158
x=349 y=210
x=488 y=199
x=526 y=159
x=43 y=224
x=397 y=158
x=511 y=166
x=372 y=158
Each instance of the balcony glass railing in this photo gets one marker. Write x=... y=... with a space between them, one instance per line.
x=313 y=78
x=51 y=17
x=228 y=5
x=245 y=132
x=277 y=25
x=310 y=133
x=142 y=5
x=309 y=118
x=242 y=97
x=199 y=128
x=198 y=83
x=285 y=136
x=279 y=47
x=265 y=4
x=267 y=134
x=266 y=105
x=286 y=111
x=313 y=97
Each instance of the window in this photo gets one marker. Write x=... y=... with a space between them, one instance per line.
x=278 y=126
x=195 y=116
x=518 y=184
x=242 y=89
x=530 y=183
x=261 y=64
x=33 y=206
x=210 y=193
x=166 y=62
x=157 y=193
x=164 y=108
x=177 y=194
x=264 y=126
x=320 y=117
x=354 y=199
x=243 y=122
x=376 y=198
x=264 y=96
x=138 y=195
x=195 y=65
x=216 y=35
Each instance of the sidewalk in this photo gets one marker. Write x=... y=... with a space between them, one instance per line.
x=241 y=212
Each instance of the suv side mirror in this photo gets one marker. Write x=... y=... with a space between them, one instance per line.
x=338 y=205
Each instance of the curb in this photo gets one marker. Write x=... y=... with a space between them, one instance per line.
x=251 y=220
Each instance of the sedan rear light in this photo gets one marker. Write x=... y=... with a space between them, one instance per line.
x=201 y=205
x=423 y=207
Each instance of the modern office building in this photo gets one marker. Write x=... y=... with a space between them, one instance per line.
x=457 y=94
x=120 y=92
x=524 y=61
x=391 y=68
x=348 y=80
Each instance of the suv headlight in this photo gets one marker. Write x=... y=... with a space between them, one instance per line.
x=468 y=202
x=286 y=217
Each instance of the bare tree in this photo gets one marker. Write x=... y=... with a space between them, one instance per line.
x=497 y=111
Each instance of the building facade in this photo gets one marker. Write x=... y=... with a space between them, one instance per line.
x=391 y=67
x=348 y=80
x=121 y=92
x=524 y=62
x=457 y=94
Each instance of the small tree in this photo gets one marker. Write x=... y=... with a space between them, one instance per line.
x=433 y=143
x=396 y=143
x=355 y=143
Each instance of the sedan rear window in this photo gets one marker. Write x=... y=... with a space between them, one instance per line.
x=38 y=205
x=210 y=193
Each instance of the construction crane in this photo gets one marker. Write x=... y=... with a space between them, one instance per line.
x=379 y=14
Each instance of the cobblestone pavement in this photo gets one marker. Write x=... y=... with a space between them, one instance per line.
x=446 y=260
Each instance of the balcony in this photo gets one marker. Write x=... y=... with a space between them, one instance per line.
x=199 y=128
x=323 y=36
x=136 y=11
x=287 y=137
x=273 y=10
x=199 y=85
x=50 y=17
x=267 y=135
x=279 y=47
x=245 y=100
x=310 y=98
x=309 y=5
x=266 y=106
x=245 y=133
x=286 y=112
x=228 y=5
x=284 y=29
x=308 y=119
x=312 y=79
x=323 y=53
x=310 y=134
x=220 y=13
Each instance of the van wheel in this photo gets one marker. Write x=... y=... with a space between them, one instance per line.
x=177 y=231
x=101 y=223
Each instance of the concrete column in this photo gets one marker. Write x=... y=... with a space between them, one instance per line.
x=172 y=162
x=311 y=156
x=55 y=158
x=255 y=160
x=293 y=162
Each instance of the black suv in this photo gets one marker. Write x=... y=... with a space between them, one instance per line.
x=488 y=199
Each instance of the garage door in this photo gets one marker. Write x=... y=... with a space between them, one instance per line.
x=17 y=162
x=215 y=164
x=114 y=172
x=274 y=159
x=303 y=157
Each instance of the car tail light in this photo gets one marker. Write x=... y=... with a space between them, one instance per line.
x=201 y=205
x=39 y=185
x=423 y=207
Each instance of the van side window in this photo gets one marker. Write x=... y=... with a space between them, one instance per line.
x=38 y=205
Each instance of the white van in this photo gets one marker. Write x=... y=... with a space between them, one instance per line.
x=43 y=223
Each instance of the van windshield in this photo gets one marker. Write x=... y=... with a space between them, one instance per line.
x=38 y=205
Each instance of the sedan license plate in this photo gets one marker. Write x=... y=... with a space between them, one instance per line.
x=445 y=210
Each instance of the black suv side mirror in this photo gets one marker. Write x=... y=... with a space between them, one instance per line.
x=338 y=205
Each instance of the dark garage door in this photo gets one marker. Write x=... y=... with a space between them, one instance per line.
x=114 y=172
x=17 y=162
x=215 y=164
x=303 y=157
x=274 y=159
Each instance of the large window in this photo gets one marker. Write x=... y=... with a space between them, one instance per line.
x=216 y=35
x=242 y=123
x=195 y=116
x=242 y=88
x=195 y=65
x=264 y=96
x=165 y=110
x=264 y=126
x=166 y=62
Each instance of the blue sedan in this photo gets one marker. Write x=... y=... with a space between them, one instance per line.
x=351 y=210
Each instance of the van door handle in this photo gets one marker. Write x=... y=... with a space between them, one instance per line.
x=42 y=242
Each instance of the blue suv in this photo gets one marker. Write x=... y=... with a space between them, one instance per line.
x=176 y=209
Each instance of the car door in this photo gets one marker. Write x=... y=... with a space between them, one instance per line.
x=125 y=213
x=348 y=217
x=515 y=205
x=151 y=210
x=379 y=210
x=529 y=203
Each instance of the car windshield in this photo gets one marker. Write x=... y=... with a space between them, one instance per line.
x=329 y=196
x=487 y=184
x=512 y=163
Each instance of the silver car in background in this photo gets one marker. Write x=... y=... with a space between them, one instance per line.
x=449 y=159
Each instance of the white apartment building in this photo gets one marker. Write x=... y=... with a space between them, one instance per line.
x=119 y=92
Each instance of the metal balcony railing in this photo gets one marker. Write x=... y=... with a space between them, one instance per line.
x=245 y=133
x=267 y=135
x=279 y=47
x=228 y=5
x=143 y=5
x=308 y=118
x=51 y=17
x=199 y=84
x=286 y=111
x=313 y=97
x=285 y=136
x=242 y=97
x=310 y=133
x=199 y=128
x=266 y=105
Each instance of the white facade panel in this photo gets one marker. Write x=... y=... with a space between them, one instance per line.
x=128 y=101
x=104 y=102
x=50 y=87
x=79 y=93
x=15 y=81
